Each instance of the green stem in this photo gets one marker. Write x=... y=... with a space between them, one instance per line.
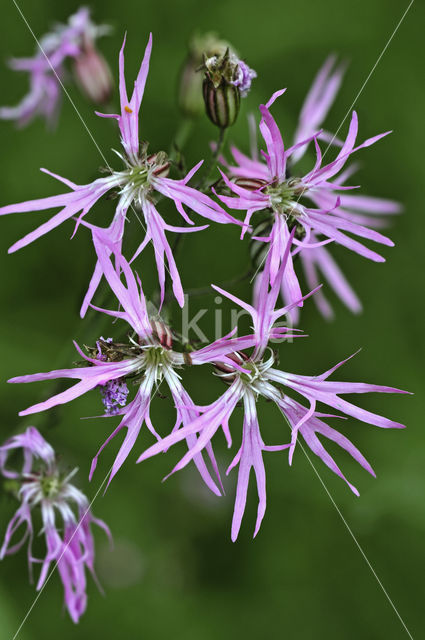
x=213 y=160
x=180 y=138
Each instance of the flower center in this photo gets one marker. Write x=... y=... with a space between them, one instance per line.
x=50 y=485
x=138 y=176
x=136 y=180
x=253 y=375
x=284 y=196
x=254 y=372
x=157 y=356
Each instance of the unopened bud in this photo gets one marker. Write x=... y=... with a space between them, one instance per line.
x=251 y=184
x=162 y=332
x=159 y=162
x=227 y=79
x=221 y=103
x=93 y=75
x=191 y=77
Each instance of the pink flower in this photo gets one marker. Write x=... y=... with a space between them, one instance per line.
x=73 y=40
x=148 y=359
x=65 y=514
x=356 y=208
x=257 y=378
x=318 y=261
x=280 y=195
x=143 y=179
x=317 y=103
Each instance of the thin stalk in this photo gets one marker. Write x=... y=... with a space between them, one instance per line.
x=213 y=160
x=180 y=138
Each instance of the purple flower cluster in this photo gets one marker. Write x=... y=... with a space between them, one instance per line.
x=114 y=396
x=293 y=219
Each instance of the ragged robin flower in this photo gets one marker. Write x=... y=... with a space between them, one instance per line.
x=143 y=362
x=142 y=180
x=254 y=375
x=338 y=210
x=41 y=486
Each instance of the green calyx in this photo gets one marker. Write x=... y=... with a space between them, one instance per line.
x=222 y=98
x=221 y=69
x=50 y=485
x=203 y=49
x=222 y=103
x=254 y=372
x=285 y=195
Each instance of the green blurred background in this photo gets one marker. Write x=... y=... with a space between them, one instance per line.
x=174 y=572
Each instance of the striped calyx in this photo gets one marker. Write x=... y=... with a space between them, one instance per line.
x=222 y=102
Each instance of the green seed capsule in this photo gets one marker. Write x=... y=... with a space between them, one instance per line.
x=221 y=103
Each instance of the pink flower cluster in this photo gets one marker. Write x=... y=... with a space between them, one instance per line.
x=293 y=220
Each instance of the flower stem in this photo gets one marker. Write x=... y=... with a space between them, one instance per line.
x=213 y=160
x=180 y=138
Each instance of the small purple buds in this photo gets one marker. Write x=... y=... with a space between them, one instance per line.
x=114 y=396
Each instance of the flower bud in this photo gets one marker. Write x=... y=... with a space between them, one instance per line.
x=159 y=163
x=93 y=75
x=162 y=332
x=190 y=88
x=227 y=79
x=221 y=103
